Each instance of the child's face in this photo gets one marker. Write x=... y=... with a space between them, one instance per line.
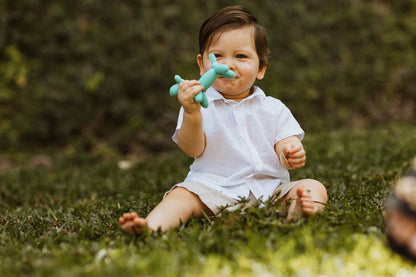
x=235 y=48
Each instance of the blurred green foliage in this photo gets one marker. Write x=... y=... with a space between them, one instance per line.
x=97 y=72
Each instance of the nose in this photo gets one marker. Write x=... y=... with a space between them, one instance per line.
x=228 y=61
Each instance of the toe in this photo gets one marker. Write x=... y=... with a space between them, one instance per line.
x=131 y=216
x=299 y=191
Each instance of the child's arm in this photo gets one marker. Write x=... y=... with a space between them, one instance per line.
x=191 y=137
x=290 y=152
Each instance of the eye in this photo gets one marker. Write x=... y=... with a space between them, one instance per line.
x=241 y=56
x=218 y=55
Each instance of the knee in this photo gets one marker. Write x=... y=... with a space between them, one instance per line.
x=314 y=186
x=184 y=196
x=189 y=199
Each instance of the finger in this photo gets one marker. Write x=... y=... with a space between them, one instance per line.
x=298 y=162
x=297 y=155
x=190 y=89
x=300 y=165
x=196 y=89
x=301 y=159
x=292 y=148
x=187 y=96
x=188 y=83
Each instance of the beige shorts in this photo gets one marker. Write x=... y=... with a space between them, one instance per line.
x=217 y=201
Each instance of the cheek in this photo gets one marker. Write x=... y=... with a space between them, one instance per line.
x=205 y=69
x=248 y=68
x=248 y=71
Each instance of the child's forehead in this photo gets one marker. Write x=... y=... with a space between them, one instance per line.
x=216 y=36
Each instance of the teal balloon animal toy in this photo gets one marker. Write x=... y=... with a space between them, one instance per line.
x=206 y=80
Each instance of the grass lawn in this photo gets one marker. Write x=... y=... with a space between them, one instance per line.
x=62 y=220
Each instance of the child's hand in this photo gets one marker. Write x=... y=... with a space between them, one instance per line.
x=186 y=93
x=293 y=156
x=291 y=153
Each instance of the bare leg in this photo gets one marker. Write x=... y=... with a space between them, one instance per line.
x=178 y=206
x=307 y=198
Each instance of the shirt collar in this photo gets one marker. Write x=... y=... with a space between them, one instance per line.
x=212 y=94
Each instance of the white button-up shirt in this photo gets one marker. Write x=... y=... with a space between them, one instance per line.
x=239 y=156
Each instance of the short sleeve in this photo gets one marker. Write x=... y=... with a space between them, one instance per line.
x=287 y=125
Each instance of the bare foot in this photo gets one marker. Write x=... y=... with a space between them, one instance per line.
x=132 y=224
x=303 y=206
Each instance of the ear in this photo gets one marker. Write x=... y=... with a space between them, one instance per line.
x=260 y=74
x=200 y=61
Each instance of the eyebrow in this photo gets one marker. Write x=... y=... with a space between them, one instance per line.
x=245 y=51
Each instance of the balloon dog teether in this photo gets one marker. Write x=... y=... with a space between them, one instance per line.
x=206 y=80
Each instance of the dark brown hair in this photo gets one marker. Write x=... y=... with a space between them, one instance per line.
x=229 y=18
